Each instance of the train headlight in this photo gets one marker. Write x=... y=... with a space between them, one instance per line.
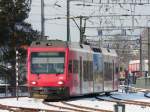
x=34 y=82
x=60 y=82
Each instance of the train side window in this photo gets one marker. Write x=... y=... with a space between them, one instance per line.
x=106 y=69
x=75 y=66
x=111 y=69
x=85 y=71
x=70 y=66
x=116 y=68
x=90 y=71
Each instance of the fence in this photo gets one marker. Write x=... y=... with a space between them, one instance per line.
x=10 y=91
x=143 y=82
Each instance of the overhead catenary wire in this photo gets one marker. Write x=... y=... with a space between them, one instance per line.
x=93 y=16
x=137 y=2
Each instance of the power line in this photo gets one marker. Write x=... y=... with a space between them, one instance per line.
x=110 y=15
x=42 y=20
x=117 y=27
x=135 y=2
x=112 y=35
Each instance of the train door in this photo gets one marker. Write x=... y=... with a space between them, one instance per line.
x=108 y=76
x=80 y=74
x=98 y=72
x=116 y=73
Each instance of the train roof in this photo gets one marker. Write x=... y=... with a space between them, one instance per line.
x=110 y=52
x=74 y=45
x=105 y=51
x=78 y=46
x=59 y=43
x=49 y=43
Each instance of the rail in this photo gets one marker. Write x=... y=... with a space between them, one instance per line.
x=72 y=107
x=23 y=109
x=146 y=94
x=122 y=101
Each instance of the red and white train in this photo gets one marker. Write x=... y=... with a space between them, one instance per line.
x=134 y=67
x=58 y=69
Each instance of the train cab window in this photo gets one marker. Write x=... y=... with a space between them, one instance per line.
x=47 y=62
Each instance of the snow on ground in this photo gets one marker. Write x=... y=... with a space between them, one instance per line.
x=132 y=96
x=87 y=102
x=92 y=102
x=26 y=102
x=110 y=106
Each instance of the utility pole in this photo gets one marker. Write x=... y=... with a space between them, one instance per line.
x=42 y=20
x=68 y=21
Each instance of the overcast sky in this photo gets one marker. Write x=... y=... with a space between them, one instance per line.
x=56 y=29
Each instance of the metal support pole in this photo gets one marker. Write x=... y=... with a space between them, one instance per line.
x=42 y=20
x=81 y=31
x=148 y=51
x=68 y=21
x=17 y=72
x=6 y=86
x=141 y=59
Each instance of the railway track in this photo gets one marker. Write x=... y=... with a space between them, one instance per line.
x=23 y=109
x=118 y=100
x=60 y=107
x=67 y=106
x=146 y=94
x=75 y=108
x=12 y=97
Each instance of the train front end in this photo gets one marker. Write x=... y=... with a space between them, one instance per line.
x=47 y=73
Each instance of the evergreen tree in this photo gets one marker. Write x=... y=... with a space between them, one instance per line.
x=14 y=31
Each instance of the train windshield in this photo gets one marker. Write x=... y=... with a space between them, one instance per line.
x=47 y=62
